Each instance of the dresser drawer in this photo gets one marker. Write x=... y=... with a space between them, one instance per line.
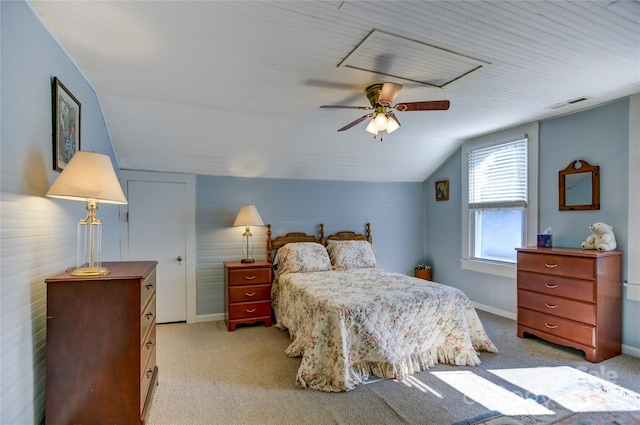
x=147 y=288
x=246 y=293
x=562 y=307
x=250 y=276
x=580 y=290
x=563 y=328
x=147 y=347
x=147 y=377
x=576 y=267
x=249 y=309
x=148 y=318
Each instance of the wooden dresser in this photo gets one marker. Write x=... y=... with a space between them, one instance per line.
x=247 y=293
x=572 y=297
x=101 y=346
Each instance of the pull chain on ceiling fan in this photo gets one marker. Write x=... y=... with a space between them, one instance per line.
x=381 y=96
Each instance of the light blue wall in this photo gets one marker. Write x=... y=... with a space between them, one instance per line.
x=37 y=233
x=395 y=211
x=601 y=137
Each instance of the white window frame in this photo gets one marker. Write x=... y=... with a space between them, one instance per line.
x=530 y=131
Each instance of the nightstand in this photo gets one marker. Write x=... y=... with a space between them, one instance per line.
x=247 y=293
x=423 y=273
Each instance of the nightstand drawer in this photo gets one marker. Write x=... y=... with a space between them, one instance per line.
x=563 y=328
x=581 y=290
x=576 y=267
x=562 y=307
x=249 y=309
x=250 y=276
x=249 y=293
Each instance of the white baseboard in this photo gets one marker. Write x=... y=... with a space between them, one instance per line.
x=496 y=311
x=631 y=351
x=210 y=317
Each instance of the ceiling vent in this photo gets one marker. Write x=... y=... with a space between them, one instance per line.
x=410 y=60
x=568 y=102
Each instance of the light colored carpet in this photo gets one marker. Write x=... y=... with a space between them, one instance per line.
x=559 y=395
x=210 y=376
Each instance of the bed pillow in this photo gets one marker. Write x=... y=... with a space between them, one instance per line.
x=298 y=257
x=351 y=255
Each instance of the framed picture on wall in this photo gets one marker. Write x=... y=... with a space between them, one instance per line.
x=442 y=190
x=66 y=125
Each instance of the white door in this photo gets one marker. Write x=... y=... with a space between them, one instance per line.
x=157 y=231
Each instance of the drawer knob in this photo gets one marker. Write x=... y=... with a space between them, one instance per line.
x=550 y=326
x=250 y=311
x=250 y=277
x=249 y=294
x=550 y=286
x=550 y=306
x=149 y=345
x=550 y=265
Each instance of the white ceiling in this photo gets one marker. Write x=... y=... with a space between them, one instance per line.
x=232 y=88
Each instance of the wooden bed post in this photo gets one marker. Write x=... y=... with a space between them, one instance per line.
x=322 y=239
x=369 y=238
x=269 y=244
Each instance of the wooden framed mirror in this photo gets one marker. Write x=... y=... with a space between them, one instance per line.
x=579 y=186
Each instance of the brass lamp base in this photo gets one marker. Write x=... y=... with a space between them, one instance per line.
x=247 y=260
x=90 y=271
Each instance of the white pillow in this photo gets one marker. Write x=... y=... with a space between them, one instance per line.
x=298 y=257
x=351 y=255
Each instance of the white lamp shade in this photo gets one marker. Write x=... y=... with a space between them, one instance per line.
x=248 y=216
x=392 y=125
x=371 y=128
x=88 y=175
x=380 y=121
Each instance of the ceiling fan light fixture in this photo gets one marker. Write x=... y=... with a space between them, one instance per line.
x=371 y=127
x=382 y=116
x=380 y=121
x=392 y=125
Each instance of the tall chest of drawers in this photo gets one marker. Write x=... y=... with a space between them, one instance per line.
x=572 y=297
x=101 y=346
x=247 y=293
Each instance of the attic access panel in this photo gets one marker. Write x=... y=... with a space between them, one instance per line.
x=410 y=60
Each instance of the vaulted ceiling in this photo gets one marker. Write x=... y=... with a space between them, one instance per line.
x=233 y=88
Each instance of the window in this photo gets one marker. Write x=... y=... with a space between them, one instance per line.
x=500 y=199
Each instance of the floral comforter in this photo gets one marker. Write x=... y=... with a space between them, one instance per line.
x=348 y=325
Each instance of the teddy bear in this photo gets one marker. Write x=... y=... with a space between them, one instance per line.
x=602 y=238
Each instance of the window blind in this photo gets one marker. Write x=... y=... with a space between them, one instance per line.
x=498 y=176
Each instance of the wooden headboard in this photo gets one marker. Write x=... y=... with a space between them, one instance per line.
x=352 y=236
x=280 y=241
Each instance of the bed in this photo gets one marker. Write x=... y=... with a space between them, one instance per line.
x=350 y=320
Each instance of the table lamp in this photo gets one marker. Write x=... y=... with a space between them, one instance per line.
x=89 y=177
x=248 y=216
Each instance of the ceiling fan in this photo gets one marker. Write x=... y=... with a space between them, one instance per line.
x=381 y=96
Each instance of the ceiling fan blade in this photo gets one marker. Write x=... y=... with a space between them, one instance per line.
x=346 y=107
x=434 y=105
x=358 y=121
x=388 y=93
